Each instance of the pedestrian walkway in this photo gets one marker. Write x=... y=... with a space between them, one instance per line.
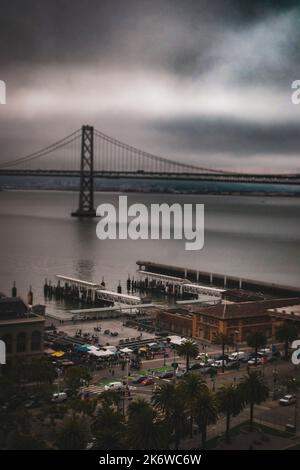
x=92 y=390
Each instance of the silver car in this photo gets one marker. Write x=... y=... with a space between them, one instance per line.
x=287 y=400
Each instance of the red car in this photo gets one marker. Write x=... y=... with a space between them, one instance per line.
x=148 y=381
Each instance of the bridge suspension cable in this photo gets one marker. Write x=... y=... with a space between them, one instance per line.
x=158 y=160
x=44 y=151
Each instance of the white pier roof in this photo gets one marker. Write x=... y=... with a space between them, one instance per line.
x=79 y=282
x=163 y=277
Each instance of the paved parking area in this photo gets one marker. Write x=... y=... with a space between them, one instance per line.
x=113 y=325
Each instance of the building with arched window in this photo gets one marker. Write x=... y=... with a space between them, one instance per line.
x=21 y=329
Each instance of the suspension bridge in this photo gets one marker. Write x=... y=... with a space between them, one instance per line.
x=88 y=153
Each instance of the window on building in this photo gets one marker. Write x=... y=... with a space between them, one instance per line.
x=21 y=342
x=35 y=344
x=8 y=343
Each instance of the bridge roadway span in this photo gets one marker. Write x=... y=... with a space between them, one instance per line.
x=238 y=178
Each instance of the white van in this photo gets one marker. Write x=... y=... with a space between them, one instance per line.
x=59 y=397
x=239 y=356
x=114 y=386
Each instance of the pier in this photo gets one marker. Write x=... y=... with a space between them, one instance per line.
x=176 y=285
x=222 y=282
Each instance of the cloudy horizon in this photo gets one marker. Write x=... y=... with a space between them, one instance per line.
x=195 y=81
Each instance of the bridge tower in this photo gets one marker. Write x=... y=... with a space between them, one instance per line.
x=86 y=192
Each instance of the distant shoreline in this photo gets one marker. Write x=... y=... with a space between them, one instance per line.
x=134 y=191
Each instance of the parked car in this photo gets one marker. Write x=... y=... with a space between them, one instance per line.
x=202 y=356
x=106 y=332
x=255 y=361
x=266 y=351
x=287 y=400
x=212 y=371
x=232 y=365
x=219 y=364
x=114 y=386
x=139 y=379
x=29 y=404
x=206 y=362
x=167 y=375
x=148 y=381
x=195 y=366
x=180 y=373
x=91 y=444
x=220 y=358
x=59 y=397
x=239 y=356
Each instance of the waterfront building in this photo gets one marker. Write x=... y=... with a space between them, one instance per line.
x=21 y=329
x=238 y=319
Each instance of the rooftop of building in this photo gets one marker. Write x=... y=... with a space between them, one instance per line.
x=244 y=309
x=14 y=309
x=287 y=311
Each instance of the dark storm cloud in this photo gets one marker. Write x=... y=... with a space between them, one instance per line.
x=224 y=135
x=193 y=77
x=54 y=30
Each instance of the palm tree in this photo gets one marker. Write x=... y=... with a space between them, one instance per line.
x=109 y=428
x=206 y=412
x=230 y=403
x=110 y=398
x=169 y=400
x=144 y=430
x=253 y=391
x=191 y=386
x=163 y=398
x=75 y=376
x=256 y=340
x=285 y=334
x=74 y=433
x=223 y=340
x=293 y=386
x=188 y=349
x=17 y=441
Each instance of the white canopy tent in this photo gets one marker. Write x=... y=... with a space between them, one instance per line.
x=100 y=352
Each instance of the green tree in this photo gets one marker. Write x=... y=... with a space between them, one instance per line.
x=144 y=430
x=75 y=376
x=169 y=401
x=230 y=403
x=8 y=388
x=191 y=386
x=286 y=333
x=253 y=392
x=109 y=428
x=74 y=433
x=87 y=406
x=206 y=412
x=223 y=340
x=188 y=349
x=17 y=441
x=111 y=398
x=40 y=370
x=256 y=340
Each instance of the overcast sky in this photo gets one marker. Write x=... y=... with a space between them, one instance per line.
x=206 y=82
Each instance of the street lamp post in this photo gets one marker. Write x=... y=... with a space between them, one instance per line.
x=165 y=355
x=296 y=413
x=174 y=365
x=275 y=377
x=236 y=341
x=127 y=371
